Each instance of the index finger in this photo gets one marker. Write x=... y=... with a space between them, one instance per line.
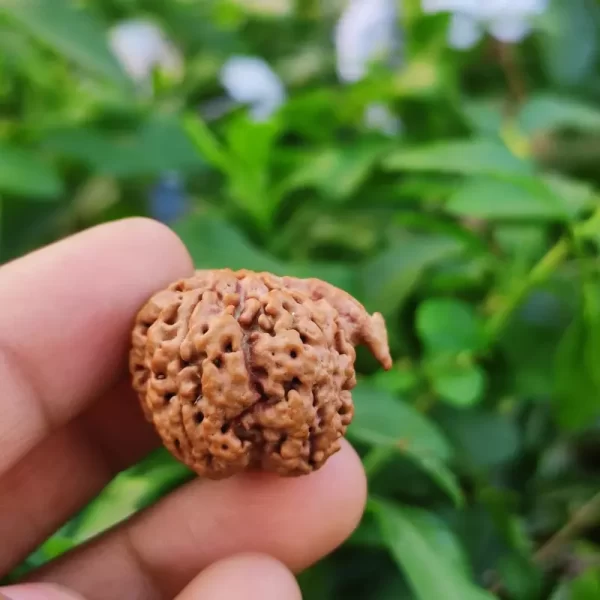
x=65 y=322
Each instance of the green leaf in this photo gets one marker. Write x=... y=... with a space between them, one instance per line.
x=483 y=439
x=575 y=195
x=116 y=503
x=52 y=548
x=577 y=358
x=252 y=143
x=157 y=145
x=317 y=582
x=569 y=41
x=520 y=576
x=389 y=278
x=461 y=386
x=544 y=113
x=451 y=331
x=416 y=547
x=446 y=325
x=250 y=147
x=398 y=380
x=485 y=116
x=206 y=143
x=129 y=492
x=57 y=545
x=336 y=172
x=22 y=173
x=216 y=244
x=71 y=30
x=383 y=420
x=467 y=157
x=585 y=586
x=492 y=198
x=442 y=476
x=531 y=339
x=576 y=367
x=390 y=589
x=387 y=422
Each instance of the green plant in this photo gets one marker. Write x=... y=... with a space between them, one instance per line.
x=476 y=232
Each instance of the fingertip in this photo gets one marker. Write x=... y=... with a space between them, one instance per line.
x=345 y=478
x=172 y=254
x=356 y=478
x=252 y=576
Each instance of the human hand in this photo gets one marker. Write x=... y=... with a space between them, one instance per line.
x=69 y=422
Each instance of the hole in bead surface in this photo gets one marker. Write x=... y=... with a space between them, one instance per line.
x=294 y=384
x=228 y=348
x=217 y=363
x=293 y=354
x=281 y=442
x=225 y=428
x=199 y=417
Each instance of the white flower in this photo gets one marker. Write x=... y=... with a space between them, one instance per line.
x=379 y=118
x=506 y=20
x=141 y=46
x=250 y=80
x=367 y=32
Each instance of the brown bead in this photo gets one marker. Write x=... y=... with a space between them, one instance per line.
x=248 y=371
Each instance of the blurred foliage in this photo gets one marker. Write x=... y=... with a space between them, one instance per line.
x=476 y=232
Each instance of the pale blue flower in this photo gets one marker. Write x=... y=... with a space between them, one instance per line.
x=379 y=118
x=367 y=32
x=250 y=80
x=141 y=46
x=509 y=21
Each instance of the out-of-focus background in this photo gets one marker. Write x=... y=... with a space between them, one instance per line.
x=439 y=159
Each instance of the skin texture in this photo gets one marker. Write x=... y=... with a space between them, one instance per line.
x=70 y=422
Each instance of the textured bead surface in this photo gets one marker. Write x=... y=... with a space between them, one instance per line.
x=240 y=370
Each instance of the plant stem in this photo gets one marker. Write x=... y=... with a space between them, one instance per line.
x=541 y=271
x=585 y=516
x=507 y=59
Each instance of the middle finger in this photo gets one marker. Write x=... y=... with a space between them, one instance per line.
x=154 y=555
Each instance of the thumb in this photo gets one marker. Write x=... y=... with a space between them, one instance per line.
x=37 y=591
x=248 y=576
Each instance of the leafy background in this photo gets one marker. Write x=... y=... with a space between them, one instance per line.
x=475 y=231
